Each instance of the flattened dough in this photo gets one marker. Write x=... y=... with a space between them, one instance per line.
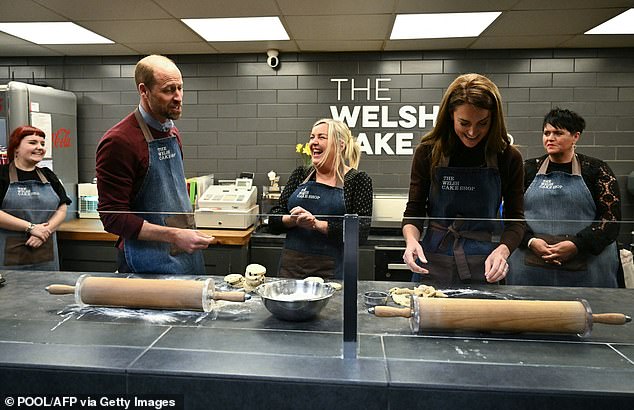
x=401 y=296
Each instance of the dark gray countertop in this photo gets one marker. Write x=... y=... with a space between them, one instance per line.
x=44 y=338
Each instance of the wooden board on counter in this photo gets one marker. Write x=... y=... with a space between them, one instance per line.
x=92 y=230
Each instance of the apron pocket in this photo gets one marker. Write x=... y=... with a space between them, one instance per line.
x=17 y=253
x=299 y=265
x=577 y=263
x=443 y=270
x=182 y=221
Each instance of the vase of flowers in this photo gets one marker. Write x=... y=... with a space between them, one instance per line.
x=304 y=152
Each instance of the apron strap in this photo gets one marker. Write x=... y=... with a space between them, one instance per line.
x=576 y=167
x=13 y=174
x=309 y=176
x=313 y=171
x=458 y=243
x=144 y=128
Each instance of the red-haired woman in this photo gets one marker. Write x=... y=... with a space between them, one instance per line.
x=34 y=203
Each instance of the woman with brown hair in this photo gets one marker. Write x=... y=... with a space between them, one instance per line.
x=461 y=172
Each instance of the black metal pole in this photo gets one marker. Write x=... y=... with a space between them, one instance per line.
x=350 y=276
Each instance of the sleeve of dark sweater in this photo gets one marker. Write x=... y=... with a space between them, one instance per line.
x=275 y=222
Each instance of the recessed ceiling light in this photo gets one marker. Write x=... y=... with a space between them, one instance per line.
x=53 y=33
x=238 y=29
x=621 y=24
x=441 y=25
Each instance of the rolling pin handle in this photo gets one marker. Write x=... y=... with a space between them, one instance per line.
x=611 y=318
x=60 y=289
x=231 y=296
x=388 y=311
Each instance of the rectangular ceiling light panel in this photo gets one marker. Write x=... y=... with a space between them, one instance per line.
x=53 y=33
x=621 y=24
x=441 y=25
x=238 y=29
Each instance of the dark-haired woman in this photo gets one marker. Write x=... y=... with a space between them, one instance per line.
x=572 y=209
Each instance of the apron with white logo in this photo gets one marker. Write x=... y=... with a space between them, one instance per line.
x=464 y=202
x=34 y=201
x=163 y=200
x=309 y=252
x=556 y=206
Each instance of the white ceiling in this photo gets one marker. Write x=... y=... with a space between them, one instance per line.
x=154 y=26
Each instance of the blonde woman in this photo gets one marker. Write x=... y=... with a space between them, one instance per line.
x=461 y=171
x=330 y=186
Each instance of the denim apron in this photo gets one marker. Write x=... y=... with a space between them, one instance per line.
x=457 y=248
x=163 y=200
x=556 y=206
x=309 y=252
x=34 y=201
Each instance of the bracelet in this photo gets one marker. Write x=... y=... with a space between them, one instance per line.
x=30 y=228
x=529 y=242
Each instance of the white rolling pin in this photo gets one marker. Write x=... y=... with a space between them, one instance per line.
x=501 y=315
x=146 y=293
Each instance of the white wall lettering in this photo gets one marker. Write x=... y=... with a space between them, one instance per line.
x=373 y=116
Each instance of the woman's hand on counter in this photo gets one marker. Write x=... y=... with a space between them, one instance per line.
x=495 y=266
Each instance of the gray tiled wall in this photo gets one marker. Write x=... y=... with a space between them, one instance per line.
x=240 y=115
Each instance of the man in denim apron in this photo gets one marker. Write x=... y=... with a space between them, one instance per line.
x=141 y=180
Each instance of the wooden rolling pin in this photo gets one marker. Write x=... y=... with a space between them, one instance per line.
x=501 y=315
x=146 y=293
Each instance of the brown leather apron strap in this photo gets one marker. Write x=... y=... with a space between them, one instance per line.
x=144 y=128
x=13 y=174
x=576 y=167
x=459 y=236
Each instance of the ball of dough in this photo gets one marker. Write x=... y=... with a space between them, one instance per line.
x=314 y=279
x=254 y=271
x=234 y=278
x=334 y=285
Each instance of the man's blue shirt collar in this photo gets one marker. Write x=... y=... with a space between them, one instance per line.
x=154 y=123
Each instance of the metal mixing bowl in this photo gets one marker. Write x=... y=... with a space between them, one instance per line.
x=294 y=300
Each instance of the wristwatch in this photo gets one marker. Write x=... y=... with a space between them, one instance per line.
x=30 y=228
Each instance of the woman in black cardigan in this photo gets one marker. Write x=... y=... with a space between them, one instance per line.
x=314 y=200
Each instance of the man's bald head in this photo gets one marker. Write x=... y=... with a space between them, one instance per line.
x=144 y=70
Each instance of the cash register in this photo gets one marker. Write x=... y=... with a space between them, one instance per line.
x=232 y=206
